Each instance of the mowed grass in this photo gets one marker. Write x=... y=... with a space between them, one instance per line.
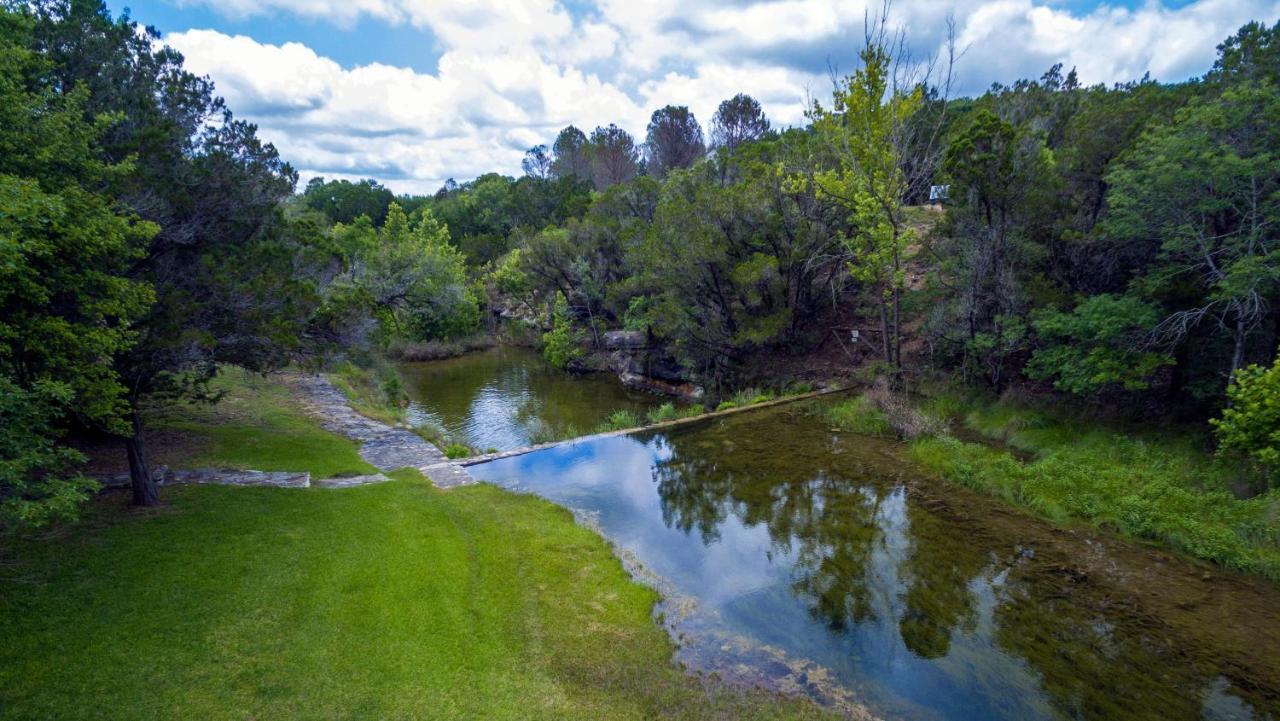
x=390 y=601
x=257 y=425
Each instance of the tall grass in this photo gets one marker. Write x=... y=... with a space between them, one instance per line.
x=376 y=391
x=1161 y=487
x=859 y=415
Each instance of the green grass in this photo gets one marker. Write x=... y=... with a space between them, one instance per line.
x=668 y=412
x=375 y=392
x=395 y=600
x=1151 y=484
x=389 y=601
x=620 y=420
x=858 y=415
x=256 y=425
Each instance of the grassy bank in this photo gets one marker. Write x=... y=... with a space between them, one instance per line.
x=1157 y=484
x=257 y=425
x=395 y=600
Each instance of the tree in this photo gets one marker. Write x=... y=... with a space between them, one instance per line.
x=1000 y=182
x=674 y=140
x=223 y=263
x=1205 y=191
x=342 y=201
x=614 y=157
x=1252 y=55
x=571 y=153
x=738 y=120
x=1097 y=345
x=537 y=163
x=66 y=307
x=561 y=345
x=1251 y=421
x=861 y=132
x=409 y=277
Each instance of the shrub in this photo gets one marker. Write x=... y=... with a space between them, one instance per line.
x=457 y=450
x=561 y=344
x=1251 y=421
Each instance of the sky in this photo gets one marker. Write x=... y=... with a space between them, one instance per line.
x=412 y=92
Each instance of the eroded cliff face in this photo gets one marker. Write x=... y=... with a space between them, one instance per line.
x=641 y=363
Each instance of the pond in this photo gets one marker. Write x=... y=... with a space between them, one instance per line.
x=507 y=398
x=797 y=558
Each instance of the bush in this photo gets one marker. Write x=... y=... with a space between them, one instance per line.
x=1251 y=421
x=561 y=344
x=457 y=450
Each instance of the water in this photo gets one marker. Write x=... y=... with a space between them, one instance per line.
x=809 y=561
x=509 y=398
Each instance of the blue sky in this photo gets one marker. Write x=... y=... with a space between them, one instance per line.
x=415 y=91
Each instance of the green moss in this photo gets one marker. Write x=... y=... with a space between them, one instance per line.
x=395 y=600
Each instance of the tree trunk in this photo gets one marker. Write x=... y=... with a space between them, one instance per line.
x=884 y=331
x=144 y=486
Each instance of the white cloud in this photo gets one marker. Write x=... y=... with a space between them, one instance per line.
x=513 y=72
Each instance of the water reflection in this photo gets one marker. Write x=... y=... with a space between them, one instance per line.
x=804 y=560
x=508 y=398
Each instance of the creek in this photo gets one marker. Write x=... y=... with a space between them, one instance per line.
x=806 y=560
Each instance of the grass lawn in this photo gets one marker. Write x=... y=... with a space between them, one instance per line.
x=390 y=601
x=257 y=425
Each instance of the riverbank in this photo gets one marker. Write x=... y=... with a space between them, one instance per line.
x=1155 y=484
x=396 y=600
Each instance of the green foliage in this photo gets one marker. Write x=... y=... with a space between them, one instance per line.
x=668 y=412
x=1251 y=421
x=408 y=276
x=1206 y=188
x=38 y=481
x=457 y=450
x=861 y=132
x=859 y=415
x=562 y=344
x=1096 y=345
x=342 y=201
x=67 y=309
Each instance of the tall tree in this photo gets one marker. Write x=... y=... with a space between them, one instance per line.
x=674 y=140
x=614 y=157
x=537 y=163
x=862 y=133
x=1206 y=191
x=343 y=201
x=222 y=262
x=66 y=307
x=738 y=120
x=571 y=154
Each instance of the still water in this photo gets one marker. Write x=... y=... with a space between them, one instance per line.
x=508 y=398
x=802 y=559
